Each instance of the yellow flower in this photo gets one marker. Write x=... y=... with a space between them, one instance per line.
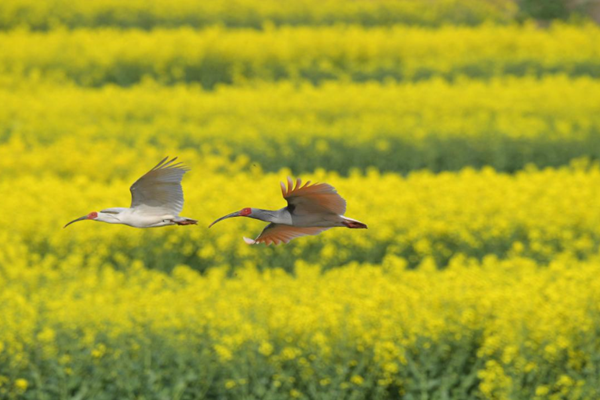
x=266 y=349
x=230 y=384
x=21 y=384
x=542 y=390
x=224 y=353
x=99 y=351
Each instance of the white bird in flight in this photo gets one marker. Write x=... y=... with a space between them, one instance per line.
x=156 y=200
x=311 y=210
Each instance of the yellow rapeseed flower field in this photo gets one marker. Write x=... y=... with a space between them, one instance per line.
x=370 y=330
x=469 y=148
x=533 y=213
x=505 y=122
x=249 y=13
x=216 y=56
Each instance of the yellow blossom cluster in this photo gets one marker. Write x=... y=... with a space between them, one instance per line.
x=498 y=329
x=505 y=123
x=216 y=56
x=249 y=13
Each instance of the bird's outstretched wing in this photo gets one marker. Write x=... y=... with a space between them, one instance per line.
x=316 y=198
x=279 y=233
x=159 y=191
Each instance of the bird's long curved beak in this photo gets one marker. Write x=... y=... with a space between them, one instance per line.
x=233 y=214
x=75 y=220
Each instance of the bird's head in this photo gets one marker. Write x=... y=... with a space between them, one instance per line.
x=110 y=215
x=244 y=212
x=92 y=215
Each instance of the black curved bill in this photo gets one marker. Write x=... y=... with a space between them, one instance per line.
x=234 y=214
x=75 y=220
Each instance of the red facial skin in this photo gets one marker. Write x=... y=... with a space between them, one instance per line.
x=92 y=215
x=245 y=212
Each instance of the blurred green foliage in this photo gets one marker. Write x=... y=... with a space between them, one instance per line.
x=544 y=9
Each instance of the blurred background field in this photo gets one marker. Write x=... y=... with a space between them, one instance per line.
x=464 y=133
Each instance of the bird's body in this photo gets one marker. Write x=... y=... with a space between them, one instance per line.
x=311 y=210
x=285 y=217
x=156 y=200
x=136 y=219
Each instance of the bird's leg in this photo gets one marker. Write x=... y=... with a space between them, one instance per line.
x=187 y=221
x=354 y=225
